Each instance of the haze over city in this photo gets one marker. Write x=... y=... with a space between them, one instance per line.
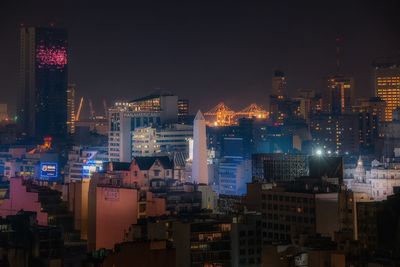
x=225 y=50
x=199 y=133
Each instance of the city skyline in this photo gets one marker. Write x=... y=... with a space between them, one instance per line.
x=223 y=50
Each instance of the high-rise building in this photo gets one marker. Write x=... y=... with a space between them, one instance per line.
x=3 y=112
x=71 y=108
x=370 y=115
x=337 y=134
x=387 y=83
x=183 y=107
x=199 y=167
x=278 y=83
x=338 y=96
x=43 y=82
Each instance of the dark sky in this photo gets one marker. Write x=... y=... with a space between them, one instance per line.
x=207 y=51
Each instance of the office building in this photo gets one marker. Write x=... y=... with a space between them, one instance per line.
x=371 y=114
x=203 y=243
x=71 y=108
x=283 y=108
x=387 y=83
x=338 y=96
x=3 y=112
x=295 y=208
x=335 y=133
x=274 y=167
x=154 y=110
x=83 y=162
x=42 y=107
x=168 y=140
x=183 y=107
x=278 y=84
x=144 y=142
x=159 y=101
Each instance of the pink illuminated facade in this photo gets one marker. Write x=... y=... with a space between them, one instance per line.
x=21 y=199
x=53 y=56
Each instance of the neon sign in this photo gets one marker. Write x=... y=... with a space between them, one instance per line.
x=48 y=170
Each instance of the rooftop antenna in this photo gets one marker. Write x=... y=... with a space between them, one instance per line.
x=338 y=54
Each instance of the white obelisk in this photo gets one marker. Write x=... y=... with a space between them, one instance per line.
x=199 y=165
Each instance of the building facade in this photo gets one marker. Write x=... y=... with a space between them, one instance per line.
x=43 y=81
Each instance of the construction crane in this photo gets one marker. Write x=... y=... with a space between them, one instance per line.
x=253 y=111
x=78 y=113
x=224 y=116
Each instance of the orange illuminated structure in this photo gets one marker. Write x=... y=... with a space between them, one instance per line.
x=253 y=111
x=387 y=83
x=222 y=115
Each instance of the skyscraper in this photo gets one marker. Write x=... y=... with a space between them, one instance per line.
x=43 y=82
x=387 y=83
x=71 y=108
x=339 y=94
x=278 y=83
x=199 y=166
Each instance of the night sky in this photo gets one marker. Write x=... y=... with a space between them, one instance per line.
x=207 y=51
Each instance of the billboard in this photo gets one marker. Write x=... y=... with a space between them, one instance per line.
x=48 y=170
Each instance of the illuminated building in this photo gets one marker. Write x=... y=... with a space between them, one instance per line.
x=309 y=103
x=150 y=141
x=295 y=208
x=233 y=176
x=199 y=166
x=163 y=102
x=282 y=108
x=338 y=96
x=379 y=182
x=21 y=162
x=71 y=108
x=151 y=111
x=371 y=113
x=274 y=167
x=116 y=201
x=387 y=83
x=337 y=134
x=20 y=198
x=246 y=240
x=234 y=170
x=174 y=138
x=278 y=84
x=144 y=142
x=183 y=107
x=42 y=107
x=83 y=162
x=3 y=112
x=205 y=243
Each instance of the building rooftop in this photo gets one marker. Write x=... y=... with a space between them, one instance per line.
x=153 y=95
x=145 y=163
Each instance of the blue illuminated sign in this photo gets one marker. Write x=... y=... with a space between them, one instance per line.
x=90 y=167
x=48 y=170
